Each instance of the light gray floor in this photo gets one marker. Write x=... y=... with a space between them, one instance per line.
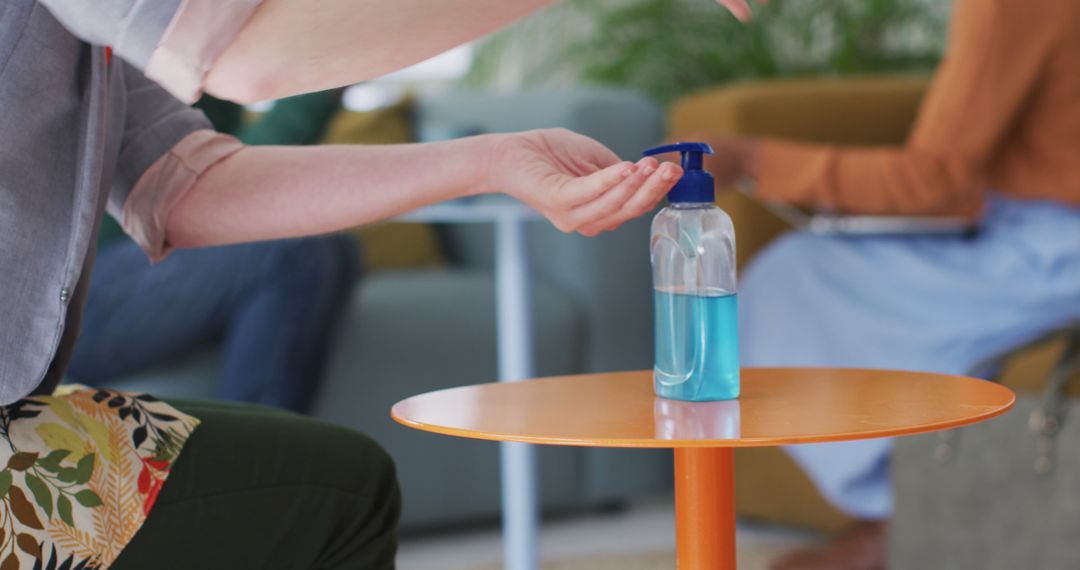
x=647 y=529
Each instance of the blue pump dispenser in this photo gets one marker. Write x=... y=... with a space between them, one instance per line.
x=692 y=248
x=696 y=184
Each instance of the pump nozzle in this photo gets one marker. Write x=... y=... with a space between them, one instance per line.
x=696 y=184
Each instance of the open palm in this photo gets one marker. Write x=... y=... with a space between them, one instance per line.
x=576 y=182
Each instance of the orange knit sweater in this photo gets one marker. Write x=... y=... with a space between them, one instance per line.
x=1002 y=113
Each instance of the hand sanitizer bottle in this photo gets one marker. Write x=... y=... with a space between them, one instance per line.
x=694 y=296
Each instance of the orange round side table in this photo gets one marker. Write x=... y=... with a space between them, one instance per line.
x=778 y=406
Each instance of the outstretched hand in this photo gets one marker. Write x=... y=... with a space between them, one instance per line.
x=576 y=182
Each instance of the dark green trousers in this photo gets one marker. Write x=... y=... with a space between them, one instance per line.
x=256 y=488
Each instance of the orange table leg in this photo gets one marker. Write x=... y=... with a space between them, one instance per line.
x=705 y=508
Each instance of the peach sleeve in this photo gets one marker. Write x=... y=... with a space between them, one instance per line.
x=195 y=38
x=166 y=182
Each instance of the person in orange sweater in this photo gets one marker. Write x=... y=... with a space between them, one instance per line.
x=997 y=141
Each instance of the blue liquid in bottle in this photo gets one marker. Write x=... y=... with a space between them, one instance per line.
x=697 y=346
x=692 y=251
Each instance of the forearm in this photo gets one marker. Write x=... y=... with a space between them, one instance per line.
x=293 y=46
x=250 y=50
x=209 y=190
x=271 y=192
x=880 y=181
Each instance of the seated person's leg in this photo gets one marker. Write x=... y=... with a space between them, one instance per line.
x=139 y=315
x=940 y=304
x=274 y=305
x=280 y=333
x=261 y=488
x=796 y=310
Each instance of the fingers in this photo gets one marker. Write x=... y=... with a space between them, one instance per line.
x=642 y=203
x=634 y=196
x=596 y=155
x=589 y=188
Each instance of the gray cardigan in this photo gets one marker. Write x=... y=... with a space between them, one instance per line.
x=76 y=133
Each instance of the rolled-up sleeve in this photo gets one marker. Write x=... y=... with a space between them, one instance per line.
x=166 y=147
x=174 y=42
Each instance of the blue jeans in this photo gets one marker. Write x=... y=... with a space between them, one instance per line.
x=273 y=308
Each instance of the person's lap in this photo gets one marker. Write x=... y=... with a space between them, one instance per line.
x=940 y=304
x=261 y=488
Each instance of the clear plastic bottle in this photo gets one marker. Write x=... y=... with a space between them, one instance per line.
x=694 y=290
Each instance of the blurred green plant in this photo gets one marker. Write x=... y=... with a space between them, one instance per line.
x=666 y=48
